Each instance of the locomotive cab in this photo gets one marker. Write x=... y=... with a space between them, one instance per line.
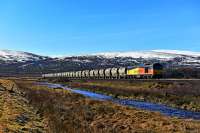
x=157 y=70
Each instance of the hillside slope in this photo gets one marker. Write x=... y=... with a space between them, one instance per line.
x=16 y=62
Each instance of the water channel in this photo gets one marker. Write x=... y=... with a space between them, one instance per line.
x=163 y=109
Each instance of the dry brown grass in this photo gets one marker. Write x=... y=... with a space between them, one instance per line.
x=68 y=112
x=185 y=95
x=15 y=113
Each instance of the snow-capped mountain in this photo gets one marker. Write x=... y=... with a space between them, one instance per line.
x=180 y=57
x=8 y=55
x=158 y=54
x=23 y=62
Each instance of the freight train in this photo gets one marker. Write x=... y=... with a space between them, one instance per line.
x=134 y=72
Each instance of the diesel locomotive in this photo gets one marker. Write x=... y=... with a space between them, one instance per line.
x=134 y=72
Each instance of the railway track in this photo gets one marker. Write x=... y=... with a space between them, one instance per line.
x=138 y=80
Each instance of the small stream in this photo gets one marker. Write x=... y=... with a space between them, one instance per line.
x=163 y=109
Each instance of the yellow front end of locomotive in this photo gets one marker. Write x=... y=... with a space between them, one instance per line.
x=134 y=71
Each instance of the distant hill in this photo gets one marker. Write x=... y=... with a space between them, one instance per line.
x=17 y=62
x=9 y=56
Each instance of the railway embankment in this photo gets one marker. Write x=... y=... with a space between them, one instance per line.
x=179 y=94
x=16 y=115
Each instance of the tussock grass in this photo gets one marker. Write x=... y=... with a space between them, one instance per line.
x=185 y=95
x=15 y=113
x=66 y=112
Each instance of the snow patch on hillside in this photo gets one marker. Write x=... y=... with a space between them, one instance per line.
x=178 y=52
x=9 y=55
x=139 y=54
x=157 y=54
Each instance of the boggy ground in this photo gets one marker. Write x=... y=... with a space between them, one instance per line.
x=68 y=112
x=16 y=115
x=180 y=94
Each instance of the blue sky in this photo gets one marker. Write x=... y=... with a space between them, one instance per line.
x=64 y=27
